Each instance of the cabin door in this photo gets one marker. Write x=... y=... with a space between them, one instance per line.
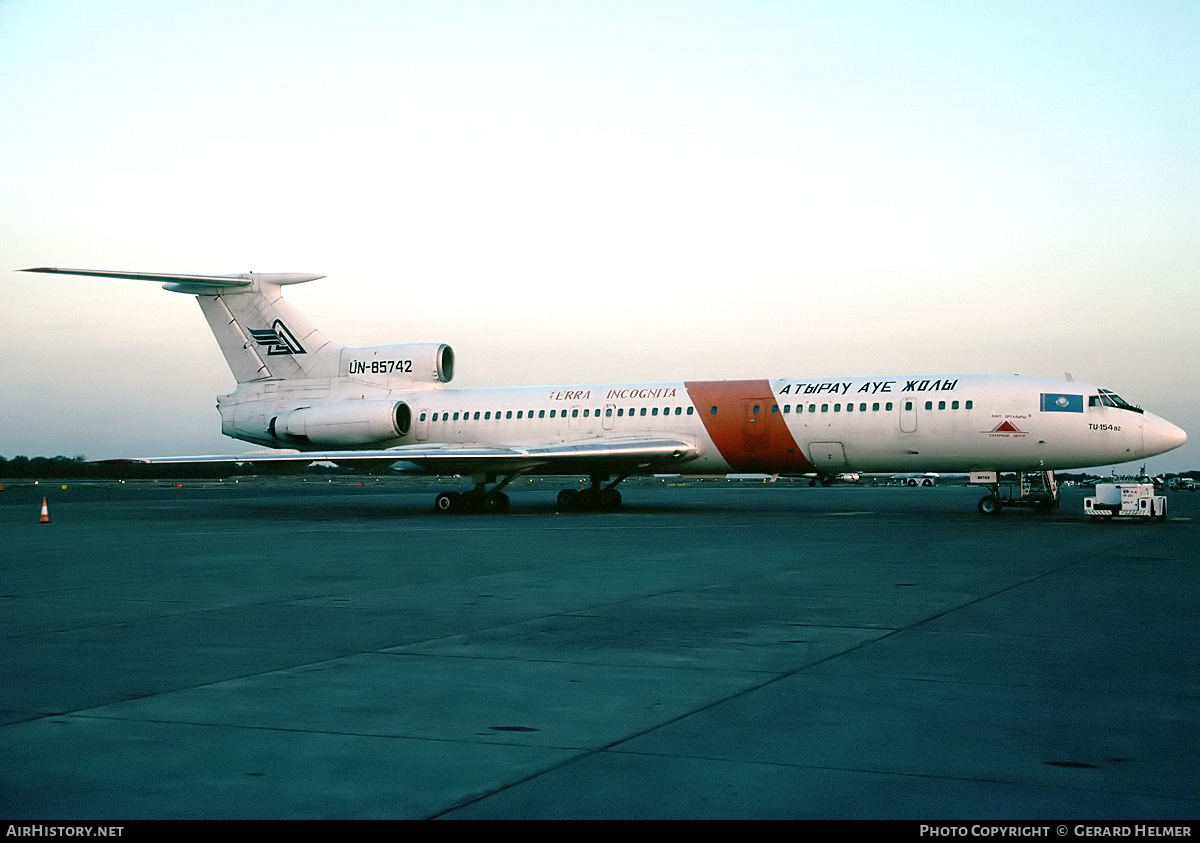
x=757 y=438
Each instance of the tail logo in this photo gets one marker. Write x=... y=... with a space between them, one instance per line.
x=277 y=339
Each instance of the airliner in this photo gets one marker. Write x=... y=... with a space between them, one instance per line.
x=312 y=399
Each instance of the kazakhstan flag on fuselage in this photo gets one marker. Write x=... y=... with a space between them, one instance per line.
x=1054 y=402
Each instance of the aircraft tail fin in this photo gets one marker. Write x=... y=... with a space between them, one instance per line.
x=261 y=335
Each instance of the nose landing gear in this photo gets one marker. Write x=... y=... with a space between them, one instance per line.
x=1036 y=490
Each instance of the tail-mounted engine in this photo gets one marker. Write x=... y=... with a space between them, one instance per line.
x=344 y=424
x=399 y=365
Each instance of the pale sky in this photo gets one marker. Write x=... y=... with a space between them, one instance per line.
x=597 y=191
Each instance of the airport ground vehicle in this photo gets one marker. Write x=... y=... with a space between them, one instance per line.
x=1126 y=500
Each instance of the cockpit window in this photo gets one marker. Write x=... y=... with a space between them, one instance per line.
x=1108 y=398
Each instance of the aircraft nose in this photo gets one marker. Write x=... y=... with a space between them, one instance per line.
x=1160 y=436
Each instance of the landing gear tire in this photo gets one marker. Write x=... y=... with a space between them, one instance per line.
x=1045 y=505
x=495 y=502
x=610 y=499
x=589 y=500
x=478 y=499
x=447 y=502
x=989 y=505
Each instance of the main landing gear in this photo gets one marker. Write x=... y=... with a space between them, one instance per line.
x=595 y=498
x=592 y=499
x=479 y=499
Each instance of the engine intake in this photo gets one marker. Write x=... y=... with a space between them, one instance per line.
x=399 y=365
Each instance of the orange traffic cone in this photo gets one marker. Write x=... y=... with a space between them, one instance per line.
x=45 y=519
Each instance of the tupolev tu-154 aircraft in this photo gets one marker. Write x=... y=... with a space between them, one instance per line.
x=316 y=400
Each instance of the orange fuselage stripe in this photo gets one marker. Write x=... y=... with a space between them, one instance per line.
x=747 y=428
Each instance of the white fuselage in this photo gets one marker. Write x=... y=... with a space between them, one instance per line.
x=300 y=391
x=787 y=425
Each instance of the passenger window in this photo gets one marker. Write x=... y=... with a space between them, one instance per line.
x=928 y=405
x=508 y=415
x=849 y=408
x=908 y=405
x=575 y=414
x=953 y=405
x=654 y=411
x=678 y=410
x=689 y=412
x=476 y=415
x=643 y=412
x=774 y=409
x=756 y=409
x=423 y=417
x=456 y=416
x=941 y=405
x=488 y=414
x=608 y=412
x=713 y=411
x=585 y=414
x=862 y=408
x=837 y=408
x=812 y=408
x=552 y=412
x=824 y=408
x=541 y=414
x=970 y=404
x=875 y=407
x=888 y=406
x=787 y=408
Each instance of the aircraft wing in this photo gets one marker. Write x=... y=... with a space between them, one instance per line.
x=601 y=455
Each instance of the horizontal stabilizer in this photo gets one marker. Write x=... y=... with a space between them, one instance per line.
x=260 y=334
x=179 y=283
